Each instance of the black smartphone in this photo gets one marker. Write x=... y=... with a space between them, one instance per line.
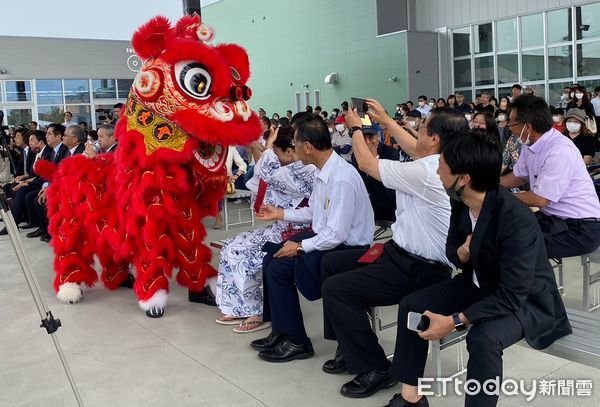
x=361 y=109
x=271 y=247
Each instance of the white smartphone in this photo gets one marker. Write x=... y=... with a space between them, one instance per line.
x=417 y=322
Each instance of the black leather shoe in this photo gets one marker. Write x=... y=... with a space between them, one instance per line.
x=369 y=383
x=3 y=232
x=337 y=364
x=205 y=297
x=267 y=343
x=128 y=283
x=45 y=238
x=286 y=351
x=155 y=312
x=27 y=226
x=398 y=401
x=36 y=233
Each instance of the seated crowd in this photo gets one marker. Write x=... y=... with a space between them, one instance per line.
x=493 y=190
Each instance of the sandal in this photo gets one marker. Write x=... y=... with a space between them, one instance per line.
x=228 y=320
x=251 y=326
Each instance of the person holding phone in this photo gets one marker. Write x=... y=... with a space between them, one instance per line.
x=506 y=291
x=413 y=259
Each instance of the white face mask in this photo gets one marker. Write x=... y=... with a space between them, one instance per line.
x=564 y=97
x=397 y=108
x=431 y=104
x=573 y=127
x=421 y=104
x=556 y=119
x=501 y=117
x=579 y=95
x=330 y=130
x=339 y=127
x=411 y=124
x=526 y=142
x=469 y=117
x=572 y=94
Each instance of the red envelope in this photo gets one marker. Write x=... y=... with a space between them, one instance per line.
x=260 y=195
x=372 y=254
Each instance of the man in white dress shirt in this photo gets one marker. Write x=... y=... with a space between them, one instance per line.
x=342 y=218
x=413 y=259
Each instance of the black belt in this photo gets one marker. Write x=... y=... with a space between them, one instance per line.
x=589 y=219
x=417 y=257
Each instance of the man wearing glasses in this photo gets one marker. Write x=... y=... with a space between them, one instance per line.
x=561 y=187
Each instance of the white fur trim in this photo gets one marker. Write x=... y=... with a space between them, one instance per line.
x=69 y=293
x=158 y=300
x=212 y=283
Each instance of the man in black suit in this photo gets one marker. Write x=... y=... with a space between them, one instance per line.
x=106 y=139
x=506 y=290
x=74 y=140
x=37 y=144
x=383 y=200
x=59 y=151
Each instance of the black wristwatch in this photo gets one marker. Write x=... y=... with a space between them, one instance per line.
x=354 y=128
x=458 y=324
x=300 y=250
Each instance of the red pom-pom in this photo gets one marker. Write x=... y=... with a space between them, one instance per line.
x=151 y=38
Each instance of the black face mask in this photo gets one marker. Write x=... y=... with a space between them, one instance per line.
x=454 y=193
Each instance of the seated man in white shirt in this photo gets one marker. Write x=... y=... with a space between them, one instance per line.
x=342 y=218
x=413 y=259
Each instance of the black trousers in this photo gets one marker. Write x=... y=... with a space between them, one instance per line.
x=19 y=207
x=486 y=340
x=350 y=289
x=41 y=214
x=283 y=278
x=568 y=237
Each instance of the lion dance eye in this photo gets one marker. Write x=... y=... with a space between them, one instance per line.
x=193 y=78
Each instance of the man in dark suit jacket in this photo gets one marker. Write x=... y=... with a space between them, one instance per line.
x=383 y=200
x=60 y=151
x=506 y=290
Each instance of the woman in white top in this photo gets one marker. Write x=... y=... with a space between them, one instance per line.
x=232 y=156
x=289 y=185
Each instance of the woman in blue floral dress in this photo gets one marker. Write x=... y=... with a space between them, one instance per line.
x=289 y=185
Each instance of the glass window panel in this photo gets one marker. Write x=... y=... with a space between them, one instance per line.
x=77 y=91
x=1 y=93
x=531 y=30
x=502 y=92
x=49 y=91
x=559 y=26
x=484 y=71
x=555 y=91
x=588 y=21
x=81 y=113
x=50 y=114
x=538 y=89
x=560 y=62
x=588 y=59
x=17 y=117
x=483 y=38
x=462 y=73
x=508 y=68
x=533 y=65
x=104 y=88
x=506 y=34
x=18 y=91
x=123 y=86
x=460 y=40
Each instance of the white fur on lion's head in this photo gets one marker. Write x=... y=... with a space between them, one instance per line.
x=69 y=293
x=158 y=300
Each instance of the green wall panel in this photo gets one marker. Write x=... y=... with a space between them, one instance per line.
x=291 y=43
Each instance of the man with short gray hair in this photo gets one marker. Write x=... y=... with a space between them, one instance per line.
x=106 y=139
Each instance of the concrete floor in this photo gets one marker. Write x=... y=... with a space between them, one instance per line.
x=119 y=357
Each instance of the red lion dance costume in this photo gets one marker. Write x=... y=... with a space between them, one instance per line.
x=144 y=204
